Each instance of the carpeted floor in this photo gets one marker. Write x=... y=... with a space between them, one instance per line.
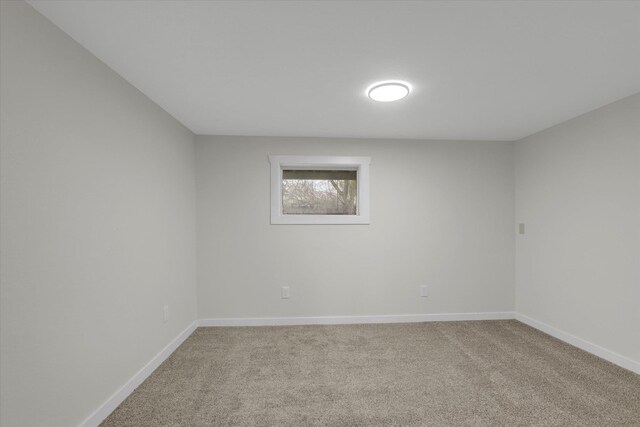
x=486 y=373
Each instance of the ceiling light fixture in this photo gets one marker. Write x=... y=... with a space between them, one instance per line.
x=388 y=91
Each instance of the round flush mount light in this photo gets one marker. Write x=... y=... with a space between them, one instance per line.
x=388 y=91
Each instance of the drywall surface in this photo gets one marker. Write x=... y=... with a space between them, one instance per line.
x=578 y=194
x=441 y=215
x=97 y=226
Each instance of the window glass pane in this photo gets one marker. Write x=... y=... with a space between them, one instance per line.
x=319 y=192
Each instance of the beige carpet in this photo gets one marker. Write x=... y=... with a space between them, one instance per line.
x=487 y=373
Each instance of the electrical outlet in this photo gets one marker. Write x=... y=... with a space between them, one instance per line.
x=424 y=291
x=521 y=228
x=284 y=292
x=165 y=313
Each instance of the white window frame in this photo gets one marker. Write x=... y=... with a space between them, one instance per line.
x=359 y=164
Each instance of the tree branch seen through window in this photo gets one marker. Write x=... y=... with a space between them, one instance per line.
x=319 y=192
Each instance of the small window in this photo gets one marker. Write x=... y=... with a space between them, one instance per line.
x=319 y=190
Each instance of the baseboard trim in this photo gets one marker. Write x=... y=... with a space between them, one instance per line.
x=119 y=396
x=587 y=346
x=351 y=320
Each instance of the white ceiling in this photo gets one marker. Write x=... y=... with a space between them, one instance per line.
x=480 y=70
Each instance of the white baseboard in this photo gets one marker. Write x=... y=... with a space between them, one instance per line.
x=119 y=396
x=587 y=346
x=351 y=320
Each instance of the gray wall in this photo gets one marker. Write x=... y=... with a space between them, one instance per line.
x=441 y=215
x=578 y=192
x=97 y=226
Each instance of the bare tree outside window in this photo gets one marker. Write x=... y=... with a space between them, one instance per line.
x=319 y=192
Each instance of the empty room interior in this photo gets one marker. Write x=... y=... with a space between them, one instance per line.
x=296 y=213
